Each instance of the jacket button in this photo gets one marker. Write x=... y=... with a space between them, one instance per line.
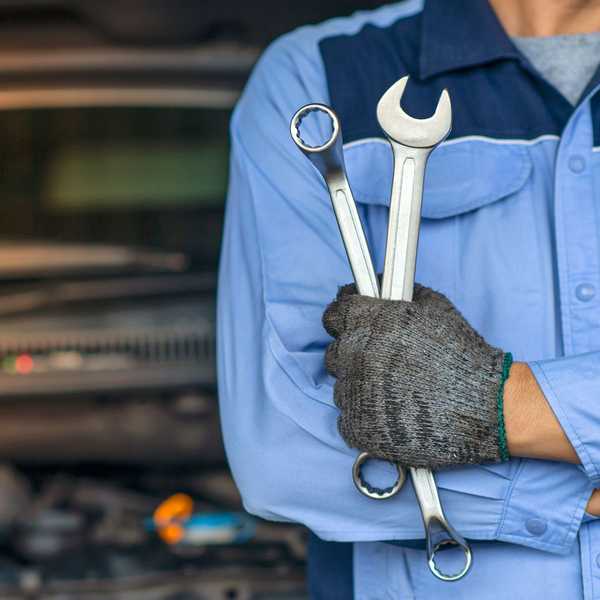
x=536 y=526
x=585 y=292
x=577 y=163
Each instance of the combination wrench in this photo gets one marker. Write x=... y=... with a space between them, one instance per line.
x=328 y=158
x=412 y=141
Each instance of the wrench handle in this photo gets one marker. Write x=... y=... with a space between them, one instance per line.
x=353 y=236
x=328 y=159
x=404 y=223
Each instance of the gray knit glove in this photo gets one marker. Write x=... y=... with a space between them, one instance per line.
x=416 y=384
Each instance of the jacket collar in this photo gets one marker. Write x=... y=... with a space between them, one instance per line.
x=457 y=34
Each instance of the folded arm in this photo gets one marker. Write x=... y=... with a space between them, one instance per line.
x=416 y=384
x=282 y=261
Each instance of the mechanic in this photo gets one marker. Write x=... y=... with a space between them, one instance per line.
x=510 y=242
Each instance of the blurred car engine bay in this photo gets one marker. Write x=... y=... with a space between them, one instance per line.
x=113 y=479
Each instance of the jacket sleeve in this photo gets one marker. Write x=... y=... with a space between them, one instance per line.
x=282 y=260
x=572 y=387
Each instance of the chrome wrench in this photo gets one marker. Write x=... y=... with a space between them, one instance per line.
x=328 y=158
x=412 y=142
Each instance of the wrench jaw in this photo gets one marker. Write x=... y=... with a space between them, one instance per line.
x=401 y=128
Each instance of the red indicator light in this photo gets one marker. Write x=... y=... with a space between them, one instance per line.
x=23 y=364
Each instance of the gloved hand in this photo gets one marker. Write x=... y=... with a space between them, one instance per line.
x=416 y=384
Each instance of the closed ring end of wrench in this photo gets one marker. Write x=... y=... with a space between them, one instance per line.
x=439 y=534
x=454 y=540
x=303 y=112
x=372 y=491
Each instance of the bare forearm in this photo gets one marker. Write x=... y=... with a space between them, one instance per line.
x=532 y=429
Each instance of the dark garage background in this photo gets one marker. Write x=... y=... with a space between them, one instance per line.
x=113 y=173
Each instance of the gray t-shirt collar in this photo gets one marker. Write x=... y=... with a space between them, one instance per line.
x=568 y=62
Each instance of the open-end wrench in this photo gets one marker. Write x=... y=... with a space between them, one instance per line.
x=412 y=142
x=328 y=158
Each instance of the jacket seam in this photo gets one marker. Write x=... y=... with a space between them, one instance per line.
x=508 y=497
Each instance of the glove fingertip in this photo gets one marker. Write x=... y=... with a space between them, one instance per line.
x=346 y=290
x=428 y=297
x=422 y=293
x=336 y=314
x=333 y=319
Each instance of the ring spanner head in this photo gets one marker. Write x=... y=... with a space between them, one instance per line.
x=326 y=157
x=406 y=130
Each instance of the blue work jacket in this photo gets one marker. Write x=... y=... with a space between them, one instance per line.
x=510 y=233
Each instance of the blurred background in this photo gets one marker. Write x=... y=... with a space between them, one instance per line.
x=113 y=174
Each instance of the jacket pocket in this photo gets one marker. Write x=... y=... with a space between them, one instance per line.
x=466 y=186
x=461 y=176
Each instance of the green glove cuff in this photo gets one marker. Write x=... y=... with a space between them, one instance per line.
x=506 y=365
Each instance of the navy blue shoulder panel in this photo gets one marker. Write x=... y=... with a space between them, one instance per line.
x=595 y=108
x=503 y=99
